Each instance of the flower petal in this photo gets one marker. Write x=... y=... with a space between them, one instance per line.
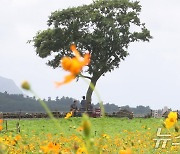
x=66 y=63
x=75 y=51
x=67 y=79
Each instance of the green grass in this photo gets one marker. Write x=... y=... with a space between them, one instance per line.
x=111 y=126
x=137 y=133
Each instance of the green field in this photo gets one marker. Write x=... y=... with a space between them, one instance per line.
x=107 y=135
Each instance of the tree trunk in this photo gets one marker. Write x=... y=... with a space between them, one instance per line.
x=90 y=90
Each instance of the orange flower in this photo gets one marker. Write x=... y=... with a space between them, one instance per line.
x=17 y=137
x=127 y=151
x=51 y=148
x=1 y=127
x=79 y=129
x=73 y=65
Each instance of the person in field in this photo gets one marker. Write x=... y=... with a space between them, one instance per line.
x=74 y=108
x=83 y=104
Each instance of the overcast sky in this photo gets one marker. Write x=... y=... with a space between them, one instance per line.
x=149 y=76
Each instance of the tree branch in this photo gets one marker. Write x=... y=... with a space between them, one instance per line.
x=84 y=76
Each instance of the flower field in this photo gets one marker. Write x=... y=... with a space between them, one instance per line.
x=88 y=135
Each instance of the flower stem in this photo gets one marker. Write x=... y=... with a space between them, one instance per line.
x=43 y=104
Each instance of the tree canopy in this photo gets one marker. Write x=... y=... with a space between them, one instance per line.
x=105 y=28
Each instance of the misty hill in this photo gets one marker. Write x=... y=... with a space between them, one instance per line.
x=9 y=86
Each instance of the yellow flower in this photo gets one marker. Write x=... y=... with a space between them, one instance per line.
x=105 y=136
x=127 y=151
x=171 y=120
x=82 y=150
x=73 y=65
x=68 y=115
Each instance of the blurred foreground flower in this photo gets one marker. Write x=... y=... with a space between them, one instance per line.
x=73 y=65
x=86 y=125
x=171 y=120
x=25 y=85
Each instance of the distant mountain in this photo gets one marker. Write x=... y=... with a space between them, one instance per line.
x=9 y=86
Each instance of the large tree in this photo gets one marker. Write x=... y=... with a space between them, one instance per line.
x=105 y=28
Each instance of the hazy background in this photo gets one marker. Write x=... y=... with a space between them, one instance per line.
x=149 y=76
